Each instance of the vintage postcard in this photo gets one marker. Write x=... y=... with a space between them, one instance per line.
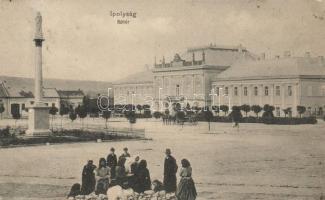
x=162 y=100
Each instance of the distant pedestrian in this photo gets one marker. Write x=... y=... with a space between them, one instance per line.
x=186 y=188
x=112 y=162
x=126 y=153
x=143 y=181
x=88 y=178
x=170 y=170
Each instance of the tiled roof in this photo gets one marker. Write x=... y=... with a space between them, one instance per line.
x=22 y=87
x=91 y=88
x=278 y=67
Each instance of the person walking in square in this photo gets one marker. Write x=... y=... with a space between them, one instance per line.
x=170 y=170
x=186 y=188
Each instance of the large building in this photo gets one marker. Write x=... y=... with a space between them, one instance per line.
x=230 y=75
x=284 y=82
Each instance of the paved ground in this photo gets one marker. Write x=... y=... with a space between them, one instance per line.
x=258 y=162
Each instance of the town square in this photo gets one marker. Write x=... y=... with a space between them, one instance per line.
x=121 y=100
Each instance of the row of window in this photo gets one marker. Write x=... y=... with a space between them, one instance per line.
x=255 y=91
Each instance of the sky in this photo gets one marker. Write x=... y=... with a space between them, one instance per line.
x=83 y=41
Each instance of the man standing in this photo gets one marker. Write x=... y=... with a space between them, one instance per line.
x=112 y=162
x=170 y=169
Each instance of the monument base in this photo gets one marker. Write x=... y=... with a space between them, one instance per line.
x=38 y=120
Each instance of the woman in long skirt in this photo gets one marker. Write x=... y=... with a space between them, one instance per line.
x=102 y=176
x=88 y=178
x=186 y=188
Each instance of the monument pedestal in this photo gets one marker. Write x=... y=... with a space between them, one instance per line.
x=38 y=120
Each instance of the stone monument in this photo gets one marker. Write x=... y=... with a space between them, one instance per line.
x=38 y=113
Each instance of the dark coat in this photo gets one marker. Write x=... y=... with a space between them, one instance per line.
x=111 y=163
x=88 y=179
x=134 y=167
x=170 y=170
x=143 y=181
x=111 y=160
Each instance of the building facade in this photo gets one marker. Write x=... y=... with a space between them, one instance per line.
x=225 y=75
x=284 y=83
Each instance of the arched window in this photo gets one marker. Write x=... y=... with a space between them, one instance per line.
x=255 y=91
x=266 y=91
x=245 y=91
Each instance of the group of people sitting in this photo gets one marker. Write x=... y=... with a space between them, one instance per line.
x=120 y=171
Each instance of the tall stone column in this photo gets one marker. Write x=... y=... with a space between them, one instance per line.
x=38 y=113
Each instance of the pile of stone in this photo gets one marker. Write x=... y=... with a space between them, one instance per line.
x=117 y=193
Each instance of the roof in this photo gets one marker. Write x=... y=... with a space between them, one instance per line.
x=71 y=93
x=90 y=88
x=17 y=87
x=137 y=78
x=277 y=67
x=217 y=56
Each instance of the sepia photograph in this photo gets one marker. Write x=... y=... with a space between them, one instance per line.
x=162 y=100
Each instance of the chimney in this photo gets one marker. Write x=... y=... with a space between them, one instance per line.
x=287 y=54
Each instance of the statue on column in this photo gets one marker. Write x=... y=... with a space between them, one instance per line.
x=38 y=30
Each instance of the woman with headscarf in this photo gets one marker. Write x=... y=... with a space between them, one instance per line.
x=102 y=176
x=186 y=188
x=142 y=178
x=88 y=178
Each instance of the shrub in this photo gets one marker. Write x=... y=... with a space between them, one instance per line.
x=157 y=114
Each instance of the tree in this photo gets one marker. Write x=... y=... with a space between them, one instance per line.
x=140 y=108
x=256 y=109
x=245 y=108
x=82 y=113
x=2 y=109
x=208 y=116
x=86 y=103
x=287 y=111
x=72 y=115
x=301 y=110
x=236 y=114
x=157 y=115
x=64 y=110
x=216 y=109
x=131 y=117
x=106 y=115
x=224 y=108
x=53 y=110
x=180 y=117
x=268 y=111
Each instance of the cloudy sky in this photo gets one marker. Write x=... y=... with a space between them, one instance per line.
x=83 y=41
